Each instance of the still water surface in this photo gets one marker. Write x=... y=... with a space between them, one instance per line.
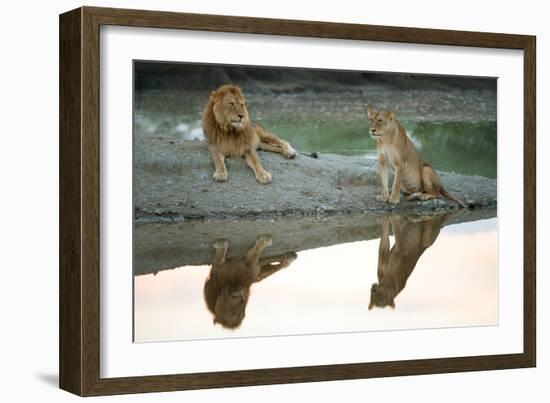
x=417 y=275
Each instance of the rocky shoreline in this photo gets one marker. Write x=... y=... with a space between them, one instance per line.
x=173 y=182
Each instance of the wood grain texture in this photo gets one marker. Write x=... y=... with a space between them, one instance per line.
x=530 y=202
x=316 y=29
x=80 y=200
x=90 y=201
x=70 y=271
x=305 y=374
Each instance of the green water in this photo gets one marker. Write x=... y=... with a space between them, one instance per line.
x=466 y=148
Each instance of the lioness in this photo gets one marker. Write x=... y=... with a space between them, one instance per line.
x=412 y=238
x=412 y=174
x=227 y=288
x=230 y=133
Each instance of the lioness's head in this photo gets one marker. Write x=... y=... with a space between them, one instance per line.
x=229 y=309
x=380 y=122
x=380 y=297
x=229 y=107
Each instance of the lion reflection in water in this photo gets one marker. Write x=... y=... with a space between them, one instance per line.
x=412 y=237
x=227 y=288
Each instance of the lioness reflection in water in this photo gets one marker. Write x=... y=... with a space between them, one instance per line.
x=413 y=235
x=227 y=288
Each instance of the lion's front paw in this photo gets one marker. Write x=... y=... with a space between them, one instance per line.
x=290 y=152
x=264 y=240
x=290 y=257
x=264 y=177
x=382 y=197
x=220 y=176
x=394 y=199
x=383 y=220
x=220 y=244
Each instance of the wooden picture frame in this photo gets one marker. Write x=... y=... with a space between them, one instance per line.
x=79 y=282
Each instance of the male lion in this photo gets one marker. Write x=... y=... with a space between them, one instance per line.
x=227 y=288
x=230 y=133
x=412 y=238
x=413 y=175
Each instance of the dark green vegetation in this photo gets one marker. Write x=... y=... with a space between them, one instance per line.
x=193 y=77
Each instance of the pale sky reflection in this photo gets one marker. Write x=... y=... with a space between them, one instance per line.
x=327 y=290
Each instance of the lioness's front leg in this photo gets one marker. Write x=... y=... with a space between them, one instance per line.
x=253 y=162
x=400 y=242
x=383 y=171
x=383 y=248
x=396 y=187
x=220 y=172
x=220 y=246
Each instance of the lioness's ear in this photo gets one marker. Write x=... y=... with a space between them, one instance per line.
x=391 y=115
x=370 y=111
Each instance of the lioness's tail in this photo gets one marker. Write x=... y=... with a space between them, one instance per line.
x=453 y=198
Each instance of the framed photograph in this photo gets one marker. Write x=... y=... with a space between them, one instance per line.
x=249 y=201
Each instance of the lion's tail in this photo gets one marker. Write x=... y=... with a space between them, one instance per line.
x=453 y=198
